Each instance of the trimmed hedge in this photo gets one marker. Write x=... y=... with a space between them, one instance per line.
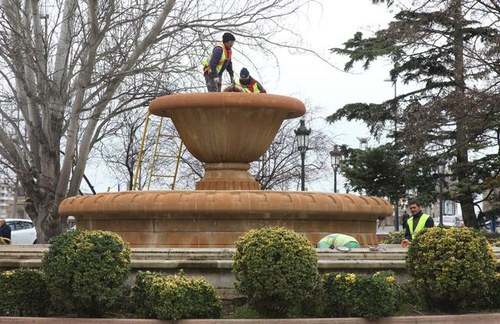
x=350 y=295
x=23 y=293
x=86 y=272
x=174 y=297
x=452 y=268
x=277 y=269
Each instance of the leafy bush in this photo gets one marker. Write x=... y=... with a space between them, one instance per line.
x=24 y=293
x=494 y=289
x=493 y=238
x=373 y=297
x=339 y=291
x=86 y=271
x=394 y=237
x=277 y=270
x=451 y=267
x=175 y=297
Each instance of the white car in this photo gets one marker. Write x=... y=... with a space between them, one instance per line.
x=22 y=231
x=450 y=221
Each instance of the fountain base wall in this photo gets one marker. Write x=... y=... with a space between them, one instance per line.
x=218 y=218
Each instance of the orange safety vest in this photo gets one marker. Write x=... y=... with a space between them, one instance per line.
x=420 y=225
x=251 y=88
x=226 y=56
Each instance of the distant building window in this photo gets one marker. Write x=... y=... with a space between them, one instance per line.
x=449 y=207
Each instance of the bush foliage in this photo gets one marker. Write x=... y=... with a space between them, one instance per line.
x=452 y=268
x=347 y=294
x=24 y=293
x=394 y=237
x=174 y=297
x=86 y=271
x=277 y=270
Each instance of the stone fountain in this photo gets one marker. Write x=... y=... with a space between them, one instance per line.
x=226 y=131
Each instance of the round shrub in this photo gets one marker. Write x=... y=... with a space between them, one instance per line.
x=339 y=294
x=277 y=270
x=394 y=238
x=174 y=297
x=346 y=294
x=377 y=295
x=24 y=293
x=451 y=267
x=86 y=271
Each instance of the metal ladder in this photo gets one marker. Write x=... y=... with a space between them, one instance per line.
x=173 y=172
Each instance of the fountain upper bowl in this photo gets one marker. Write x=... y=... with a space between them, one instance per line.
x=227 y=127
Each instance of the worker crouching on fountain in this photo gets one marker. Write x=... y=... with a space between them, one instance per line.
x=336 y=240
x=249 y=84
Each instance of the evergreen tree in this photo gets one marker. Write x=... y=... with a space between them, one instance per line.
x=451 y=50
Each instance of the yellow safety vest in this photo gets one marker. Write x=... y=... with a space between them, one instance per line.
x=251 y=88
x=226 y=56
x=420 y=225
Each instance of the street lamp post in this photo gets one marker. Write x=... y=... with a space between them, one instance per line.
x=335 y=156
x=302 y=134
x=441 y=165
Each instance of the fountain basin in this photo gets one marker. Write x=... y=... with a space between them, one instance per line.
x=206 y=218
x=226 y=131
x=229 y=127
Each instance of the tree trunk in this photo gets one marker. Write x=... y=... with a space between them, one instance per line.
x=462 y=143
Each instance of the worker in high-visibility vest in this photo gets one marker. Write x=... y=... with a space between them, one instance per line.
x=5 y=232
x=218 y=62
x=417 y=222
x=249 y=84
x=336 y=240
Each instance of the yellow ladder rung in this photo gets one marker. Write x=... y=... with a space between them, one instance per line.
x=166 y=155
x=157 y=154
x=160 y=175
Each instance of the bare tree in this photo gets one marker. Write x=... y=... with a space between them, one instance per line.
x=69 y=67
x=278 y=169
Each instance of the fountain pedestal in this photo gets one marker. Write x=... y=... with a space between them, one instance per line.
x=227 y=176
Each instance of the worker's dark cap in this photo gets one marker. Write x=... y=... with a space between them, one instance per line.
x=244 y=73
x=228 y=37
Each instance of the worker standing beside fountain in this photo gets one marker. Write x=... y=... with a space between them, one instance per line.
x=417 y=222
x=217 y=62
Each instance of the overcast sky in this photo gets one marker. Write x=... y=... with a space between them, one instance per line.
x=308 y=78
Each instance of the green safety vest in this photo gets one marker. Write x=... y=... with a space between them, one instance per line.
x=226 y=55
x=420 y=225
x=336 y=240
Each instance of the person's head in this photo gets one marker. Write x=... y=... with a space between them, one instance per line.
x=228 y=40
x=2 y=222
x=414 y=206
x=244 y=74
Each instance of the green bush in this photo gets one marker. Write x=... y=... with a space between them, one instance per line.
x=494 y=289
x=493 y=238
x=394 y=238
x=348 y=295
x=86 y=271
x=174 y=297
x=277 y=270
x=451 y=267
x=339 y=294
x=23 y=293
